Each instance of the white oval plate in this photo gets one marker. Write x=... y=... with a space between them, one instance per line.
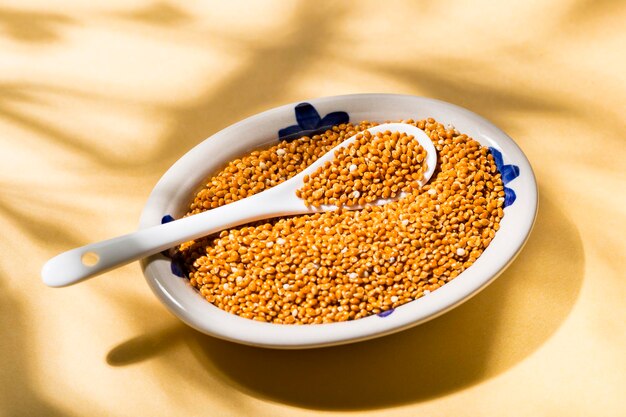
x=174 y=191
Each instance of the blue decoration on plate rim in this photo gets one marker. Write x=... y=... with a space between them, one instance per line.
x=174 y=265
x=310 y=122
x=167 y=218
x=508 y=173
x=177 y=270
x=386 y=312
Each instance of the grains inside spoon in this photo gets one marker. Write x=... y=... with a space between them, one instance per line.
x=379 y=166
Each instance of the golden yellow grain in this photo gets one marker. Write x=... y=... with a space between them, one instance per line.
x=344 y=265
x=373 y=167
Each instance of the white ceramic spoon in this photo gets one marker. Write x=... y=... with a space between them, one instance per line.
x=87 y=261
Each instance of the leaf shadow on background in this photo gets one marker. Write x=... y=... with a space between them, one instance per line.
x=482 y=338
x=14 y=95
x=19 y=395
x=33 y=27
x=501 y=104
x=39 y=227
x=590 y=11
x=159 y=13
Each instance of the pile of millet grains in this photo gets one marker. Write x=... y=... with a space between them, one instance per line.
x=373 y=167
x=347 y=264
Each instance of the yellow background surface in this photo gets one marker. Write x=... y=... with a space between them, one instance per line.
x=98 y=100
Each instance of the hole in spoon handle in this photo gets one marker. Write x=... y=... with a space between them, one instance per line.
x=90 y=258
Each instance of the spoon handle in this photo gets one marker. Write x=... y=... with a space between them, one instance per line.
x=85 y=262
x=90 y=260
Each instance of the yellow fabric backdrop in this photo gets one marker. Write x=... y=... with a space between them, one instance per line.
x=97 y=100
